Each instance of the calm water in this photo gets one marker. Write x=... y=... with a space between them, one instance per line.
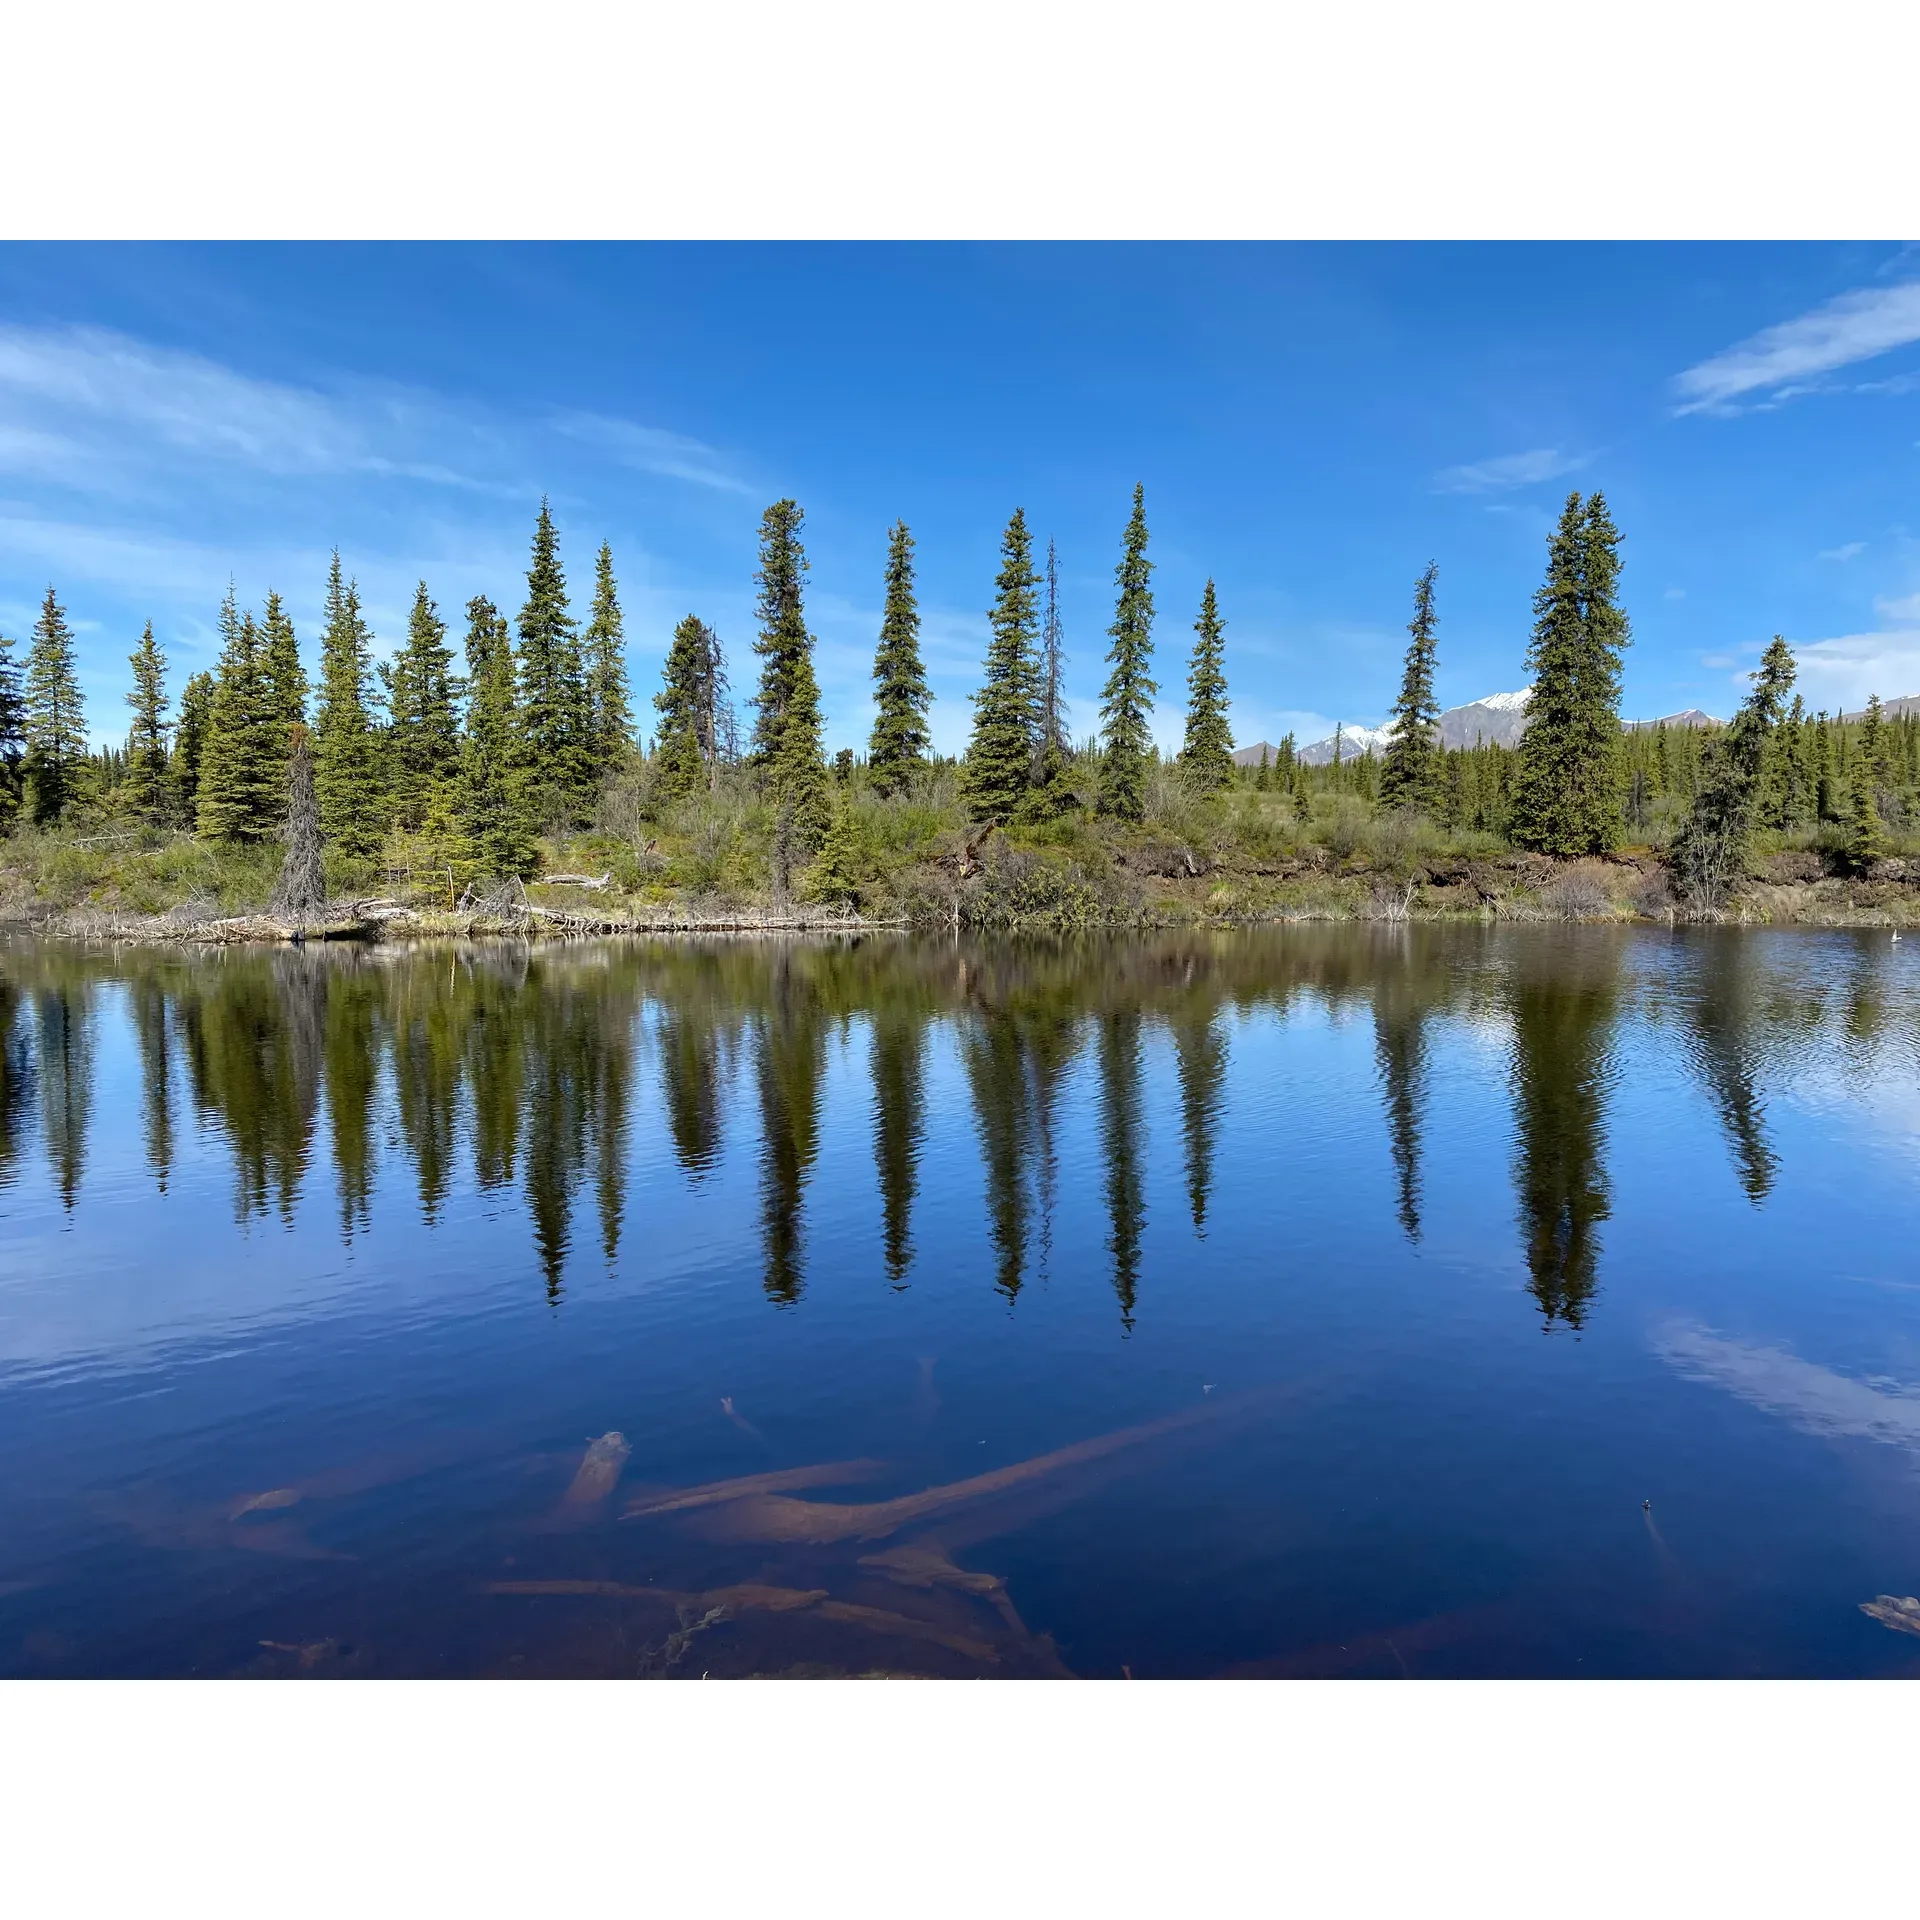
x=1304 y=1301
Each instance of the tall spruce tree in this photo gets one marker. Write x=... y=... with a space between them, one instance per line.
x=286 y=677
x=346 y=770
x=423 y=714
x=554 y=709
x=147 y=740
x=189 y=744
x=679 y=756
x=609 y=703
x=55 y=717
x=1207 y=755
x=495 y=807
x=1053 y=791
x=786 y=735
x=1713 y=851
x=243 y=755
x=1566 y=798
x=1411 y=774
x=1865 y=839
x=13 y=734
x=900 y=741
x=1125 y=739
x=999 y=763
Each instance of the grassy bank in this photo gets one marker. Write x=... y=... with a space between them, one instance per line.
x=1243 y=856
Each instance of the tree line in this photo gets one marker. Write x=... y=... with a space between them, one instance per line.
x=480 y=752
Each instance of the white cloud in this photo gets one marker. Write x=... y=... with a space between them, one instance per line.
x=1905 y=609
x=1780 y=361
x=1841 y=672
x=1850 y=551
x=1674 y=593
x=1508 y=471
x=1815 y=1399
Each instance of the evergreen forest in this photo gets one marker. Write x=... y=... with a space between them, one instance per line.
x=487 y=745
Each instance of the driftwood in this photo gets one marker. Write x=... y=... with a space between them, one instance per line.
x=578 y=880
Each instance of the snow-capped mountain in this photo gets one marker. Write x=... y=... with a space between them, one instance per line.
x=1499 y=719
x=1495 y=720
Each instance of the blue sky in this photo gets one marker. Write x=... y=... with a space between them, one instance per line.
x=1311 y=423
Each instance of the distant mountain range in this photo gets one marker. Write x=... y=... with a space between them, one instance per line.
x=1498 y=720
x=1907 y=703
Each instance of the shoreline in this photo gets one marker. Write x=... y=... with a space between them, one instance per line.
x=1569 y=896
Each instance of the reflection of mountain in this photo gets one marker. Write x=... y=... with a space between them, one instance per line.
x=1815 y=1399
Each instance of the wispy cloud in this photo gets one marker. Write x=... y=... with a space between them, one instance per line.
x=1852 y=550
x=94 y=409
x=82 y=375
x=651 y=449
x=1815 y=1399
x=1906 y=608
x=1841 y=672
x=1781 y=361
x=1510 y=470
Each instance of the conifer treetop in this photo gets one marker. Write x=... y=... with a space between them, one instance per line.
x=1127 y=698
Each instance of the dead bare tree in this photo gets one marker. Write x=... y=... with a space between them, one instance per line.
x=302 y=890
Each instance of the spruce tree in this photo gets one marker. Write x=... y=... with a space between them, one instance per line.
x=1865 y=840
x=147 y=740
x=786 y=735
x=1567 y=796
x=1053 y=792
x=834 y=877
x=346 y=774
x=286 y=678
x=553 y=694
x=999 y=761
x=678 y=757
x=899 y=744
x=1713 y=852
x=1125 y=703
x=1826 y=804
x=189 y=744
x=13 y=739
x=243 y=756
x=1207 y=755
x=423 y=717
x=609 y=704
x=1873 y=743
x=495 y=807
x=1410 y=778
x=55 y=717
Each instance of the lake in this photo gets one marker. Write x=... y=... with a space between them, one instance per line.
x=1312 y=1300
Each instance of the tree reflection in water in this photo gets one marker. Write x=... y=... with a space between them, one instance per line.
x=520 y=1064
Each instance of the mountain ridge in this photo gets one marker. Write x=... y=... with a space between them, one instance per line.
x=1495 y=720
